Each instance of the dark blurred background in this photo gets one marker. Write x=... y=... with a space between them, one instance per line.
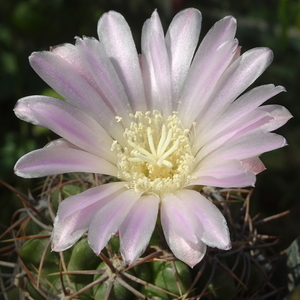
x=34 y=25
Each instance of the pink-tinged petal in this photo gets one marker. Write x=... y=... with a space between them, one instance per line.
x=67 y=232
x=61 y=143
x=215 y=230
x=258 y=121
x=187 y=251
x=261 y=120
x=255 y=122
x=253 y=164
x=237 y=77
x=246 y=178
x=155 y=66
x=222 y=169
x=227 y=173
x=64 y=78
x=67 y=121
x=246 y=147
x=237 y=111
x=222 y=31
x=136 y=230
x=237 y=54
x=179 y=218
x=56 y=160
x=249 y=101
x=74 y=56
x=70 y=54
x=102 y=194
x=108 y=220
x=101 y=69
x=181 y=41
x=213 y=56
x=76 y=212
x=86 y=68
x=280 y=115
x=264 y=122
x=117 y=40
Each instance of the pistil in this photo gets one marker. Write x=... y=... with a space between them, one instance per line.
x=155 y=156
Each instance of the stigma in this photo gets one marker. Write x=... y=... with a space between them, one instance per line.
x=156 y=155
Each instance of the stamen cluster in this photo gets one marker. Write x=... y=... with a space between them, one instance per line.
x=158 y=156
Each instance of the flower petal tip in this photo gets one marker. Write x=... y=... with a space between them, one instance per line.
x=19 y=172
x=97 y=252
x=128 y=261
x=34 y=55
x=228 y=246
x=283 y=89
x=284 y=144
x=56 y=247
x=230 y=19
x=127 y=258
x=193 y=263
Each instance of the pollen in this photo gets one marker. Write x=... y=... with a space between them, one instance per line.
x=158 y=157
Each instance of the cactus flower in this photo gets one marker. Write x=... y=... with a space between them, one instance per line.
x=162 y=122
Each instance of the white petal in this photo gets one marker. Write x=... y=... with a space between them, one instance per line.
x=226 y=173
x=255 y=122
x=237 y=111
x=67 y=232
x=181 y=40
x=57 y=160
x=67 y=121
x=61 y=143
x=247 y=146
x=65 y=79
x=155 y=66
x=213 y=56
x=76 y=212
x=237 y=77
x=245 y=178
x=100 y=67
x=117 y=40
x=178 y=217
x=215 y=230
x=102 y=194
x=108 y=220
x=71 y=54
x=280 y=115
x=136 y=230
x=187 y=251
x=253 y=164
x=220 y=170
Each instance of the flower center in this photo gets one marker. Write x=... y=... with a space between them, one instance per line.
x=157 y=158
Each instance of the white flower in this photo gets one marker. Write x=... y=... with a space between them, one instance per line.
x=161 y=122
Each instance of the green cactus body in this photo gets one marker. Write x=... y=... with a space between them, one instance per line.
x=82 y=258
x=32 y=250
x=167 y=278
